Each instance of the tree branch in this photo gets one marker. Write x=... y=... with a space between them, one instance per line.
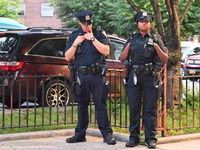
x=169 y=9
x=137 y=9
x=158 y=17
x=185 y=11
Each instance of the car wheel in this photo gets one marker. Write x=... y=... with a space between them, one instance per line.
x=182 y=72
x=57 y=93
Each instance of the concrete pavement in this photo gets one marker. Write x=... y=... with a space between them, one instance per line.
x=55 y=140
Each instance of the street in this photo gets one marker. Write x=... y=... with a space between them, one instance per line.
x=93 y=143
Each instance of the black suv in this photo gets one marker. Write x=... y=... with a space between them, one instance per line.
x=33 y=67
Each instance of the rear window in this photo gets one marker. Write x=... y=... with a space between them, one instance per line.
x=8 y=44
x=117 y=48
x=50 y=47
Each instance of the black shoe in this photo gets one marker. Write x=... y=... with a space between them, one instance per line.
x=109 y=139
x=151 y=144
x=131 y=144
x=75 y=139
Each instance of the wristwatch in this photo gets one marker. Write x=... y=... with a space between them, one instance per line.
x=92 y=39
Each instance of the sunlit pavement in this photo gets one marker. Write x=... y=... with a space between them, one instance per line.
x=55 y=140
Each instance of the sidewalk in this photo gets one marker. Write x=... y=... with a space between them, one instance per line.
x=55 y=140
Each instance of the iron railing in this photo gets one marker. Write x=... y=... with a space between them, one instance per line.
x=184 y=112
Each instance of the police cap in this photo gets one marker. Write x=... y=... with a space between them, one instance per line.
x=143 y=16
x=85 y=17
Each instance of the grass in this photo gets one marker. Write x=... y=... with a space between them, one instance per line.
x=179 y=120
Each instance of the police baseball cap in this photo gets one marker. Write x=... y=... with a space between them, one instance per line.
x=143 y=16
x=85 y=17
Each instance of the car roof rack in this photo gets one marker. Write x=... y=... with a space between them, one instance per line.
x=40 y=29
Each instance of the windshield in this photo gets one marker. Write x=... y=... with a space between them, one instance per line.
x=8 y=44
x=191 y=50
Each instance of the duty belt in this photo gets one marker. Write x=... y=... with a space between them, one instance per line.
x=94 y=69
x=146 y=68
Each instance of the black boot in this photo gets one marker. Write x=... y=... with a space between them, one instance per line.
x=109 y=139
x=75 y=139
x=151 y=144
x=131 y=144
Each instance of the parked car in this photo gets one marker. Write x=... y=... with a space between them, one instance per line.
x=33 y=67
x=193 y=49
x=192 y=67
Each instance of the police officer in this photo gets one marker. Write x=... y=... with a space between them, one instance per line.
x=143 y=48
x=88 y=45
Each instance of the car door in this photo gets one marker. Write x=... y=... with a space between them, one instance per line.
x=116 y=69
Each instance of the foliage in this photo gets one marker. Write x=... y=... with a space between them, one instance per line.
x=116 y=16
x=191 y=99
x=8 y=9
x=191 y=25
x=67 y=11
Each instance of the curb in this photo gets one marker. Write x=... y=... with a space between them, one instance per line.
x=35 y=134
x=178 y=138
x=92 y=132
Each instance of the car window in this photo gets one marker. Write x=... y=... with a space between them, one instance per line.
x=8 y=44
x=117 y=48
x=197 y=50
x=50 y=47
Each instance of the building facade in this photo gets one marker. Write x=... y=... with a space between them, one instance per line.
x=38 y=13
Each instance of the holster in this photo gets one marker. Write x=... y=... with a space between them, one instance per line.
x=158 y=84
x=128 y=67
x=77 y=89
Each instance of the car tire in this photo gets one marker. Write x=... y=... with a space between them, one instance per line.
x=182 y=73
x=57 y=93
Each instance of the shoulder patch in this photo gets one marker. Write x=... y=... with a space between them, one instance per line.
x=104 y=33
x=133 y=35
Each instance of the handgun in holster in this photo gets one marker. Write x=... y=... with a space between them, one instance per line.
x=128 y=68
x=72 y=69
x=104 y=69
x=157 y=68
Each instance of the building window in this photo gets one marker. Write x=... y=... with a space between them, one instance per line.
x=21 y=10
x=47 y=10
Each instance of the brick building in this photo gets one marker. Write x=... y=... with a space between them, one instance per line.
x=38 y=13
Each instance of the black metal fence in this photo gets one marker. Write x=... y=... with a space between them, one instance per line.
x=184 y=113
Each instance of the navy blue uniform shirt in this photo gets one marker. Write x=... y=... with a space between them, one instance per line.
x=137 y=48
x=87 y=54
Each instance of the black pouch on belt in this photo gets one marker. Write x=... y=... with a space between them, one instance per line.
x=97 y=67
x=83 y=70
x=93 y=69
x=146 y=68
x=150 y=67
x=136 y=69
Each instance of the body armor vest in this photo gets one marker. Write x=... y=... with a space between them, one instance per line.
x=142 y=51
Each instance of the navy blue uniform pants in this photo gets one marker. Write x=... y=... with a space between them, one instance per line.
x=92 y=85
x=142 y=94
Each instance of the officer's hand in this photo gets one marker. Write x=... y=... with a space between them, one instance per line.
x=88 y=35
x=155 y=45
x=79 y=40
